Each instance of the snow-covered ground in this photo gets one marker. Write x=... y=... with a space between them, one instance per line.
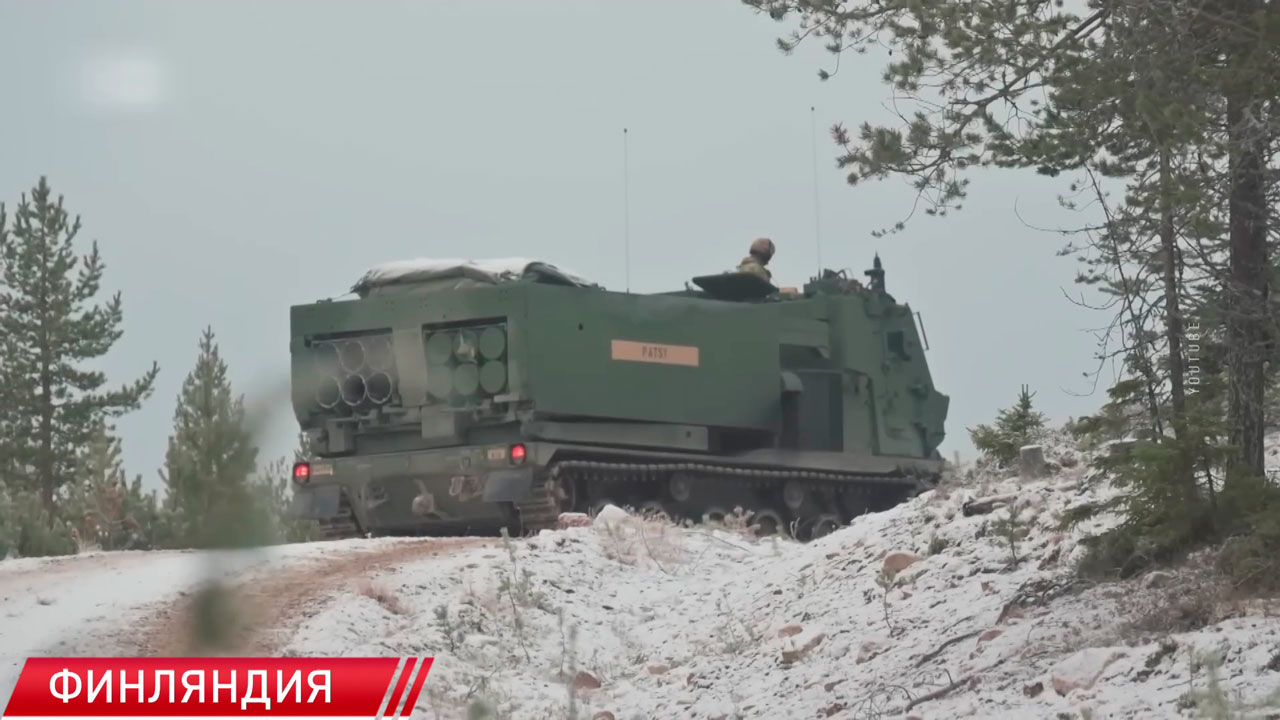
x=704 y=624
x=918 y=611
x=80 y=604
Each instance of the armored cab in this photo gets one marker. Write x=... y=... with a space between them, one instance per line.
x=454 y=396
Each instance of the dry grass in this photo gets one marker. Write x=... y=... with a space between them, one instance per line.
x=384 y=596
x=1189 y=597
x=736 y=523
x=1175 y=610
x=633 y=539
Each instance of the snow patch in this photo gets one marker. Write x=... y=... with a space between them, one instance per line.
x=610 y=515
x=491 y=270
x=77 y=605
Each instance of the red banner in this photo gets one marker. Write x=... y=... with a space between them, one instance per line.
x=218 y=687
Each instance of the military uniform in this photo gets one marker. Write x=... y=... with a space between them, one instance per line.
x=751 y=264
x=761 y=252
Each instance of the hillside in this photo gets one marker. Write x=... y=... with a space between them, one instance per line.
x=651 y=621
x=920 y=611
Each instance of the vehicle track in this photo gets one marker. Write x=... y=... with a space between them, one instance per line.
x=256 y=615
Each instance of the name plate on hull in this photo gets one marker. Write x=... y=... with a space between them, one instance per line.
x=631 y=351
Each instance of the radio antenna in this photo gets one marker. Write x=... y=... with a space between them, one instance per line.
x=817 y=215
x=626 y=208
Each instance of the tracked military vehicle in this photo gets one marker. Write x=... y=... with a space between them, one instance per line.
x=461 y=397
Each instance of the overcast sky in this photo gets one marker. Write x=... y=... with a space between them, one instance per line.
x=234 y=158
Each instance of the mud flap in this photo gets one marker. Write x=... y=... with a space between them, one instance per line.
x=514 y=485
x=317 y=503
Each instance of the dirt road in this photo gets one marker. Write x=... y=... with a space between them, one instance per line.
x=255 y=615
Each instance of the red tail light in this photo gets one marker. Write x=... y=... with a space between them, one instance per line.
x=301 y=472
x=517 y=454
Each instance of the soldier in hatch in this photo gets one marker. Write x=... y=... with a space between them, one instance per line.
x=760 y=254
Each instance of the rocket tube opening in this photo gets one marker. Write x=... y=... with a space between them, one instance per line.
x=353 y=390
x=326 y=358
x=328 y=392
x=378 y=387
x=378 y=354
x=351 y=354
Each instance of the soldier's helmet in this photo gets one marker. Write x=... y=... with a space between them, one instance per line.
x=762 y=248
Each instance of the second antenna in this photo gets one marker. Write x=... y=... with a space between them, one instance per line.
x=626 y=209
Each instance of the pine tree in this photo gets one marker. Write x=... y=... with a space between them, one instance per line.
x=106 y=509
x=1178 y=103
x=1176 y=98
x=50 y=331
x=291 y=528
x=1016 y=426
x=8 y=523
x=274 y=493
x=9 y=417
x=210 y=459
x=29 y=529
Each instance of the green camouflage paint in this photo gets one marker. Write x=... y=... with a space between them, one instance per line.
x=414 y=396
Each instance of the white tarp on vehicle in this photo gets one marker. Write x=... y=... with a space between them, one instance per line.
x=494 y=270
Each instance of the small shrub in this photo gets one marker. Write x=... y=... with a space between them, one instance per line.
x=384 y=596
x=1014 y=427
x=737 y=522
x=1011 y=528
x=1251 y=556
x=887 y=584
x=633 y=538
x=454 y=631
x=1118 y=552
x=1187 y=607
x=937 y=544
x=1252 y=562
x=734 y=634
x=1211 y=701
x=518 y=584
